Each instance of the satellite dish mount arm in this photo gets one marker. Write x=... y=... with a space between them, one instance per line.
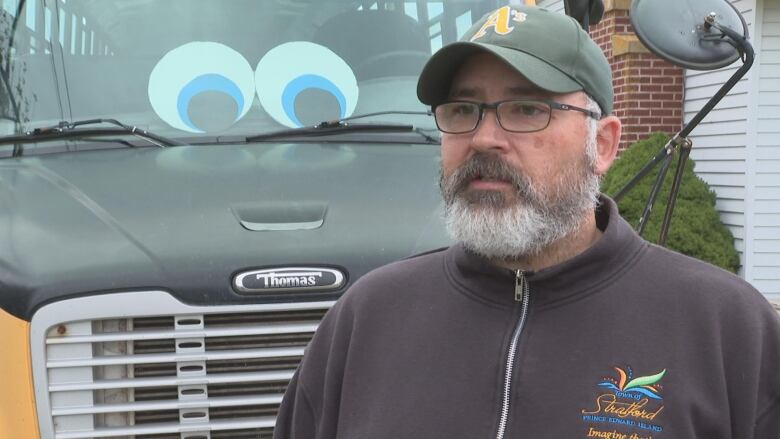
x=680 y=142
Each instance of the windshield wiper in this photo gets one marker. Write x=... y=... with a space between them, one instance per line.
x=383 y=113
x=341 y=126
x=71 y=130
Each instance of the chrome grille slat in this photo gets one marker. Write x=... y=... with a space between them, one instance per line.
x=169 y=427
x=113 y=370
x=169 y=405
x=167 y=358
x=275 y=328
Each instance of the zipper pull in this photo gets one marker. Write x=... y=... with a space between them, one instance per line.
x=521 y=286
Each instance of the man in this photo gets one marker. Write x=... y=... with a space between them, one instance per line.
x=550 y=318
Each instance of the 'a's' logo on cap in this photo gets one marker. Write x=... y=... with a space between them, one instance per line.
x=499 y=21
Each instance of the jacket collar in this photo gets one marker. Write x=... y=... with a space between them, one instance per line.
x=606 y=258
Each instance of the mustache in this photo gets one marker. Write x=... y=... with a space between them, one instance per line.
x=486 y=166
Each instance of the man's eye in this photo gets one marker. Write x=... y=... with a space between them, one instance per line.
x=530 y=110
x=526 y=109
x=463 y=110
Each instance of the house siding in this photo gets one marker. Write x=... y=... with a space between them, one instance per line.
x=721 y=142
x=765 y=215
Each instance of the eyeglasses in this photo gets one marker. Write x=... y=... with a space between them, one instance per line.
x=514 y=115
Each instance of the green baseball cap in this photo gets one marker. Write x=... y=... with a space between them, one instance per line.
x=550 y=49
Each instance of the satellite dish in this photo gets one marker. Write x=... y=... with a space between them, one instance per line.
x=682 y=31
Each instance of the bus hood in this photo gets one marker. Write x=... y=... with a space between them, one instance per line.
x=188 y=219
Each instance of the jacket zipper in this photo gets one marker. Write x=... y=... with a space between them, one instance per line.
x=522 y=294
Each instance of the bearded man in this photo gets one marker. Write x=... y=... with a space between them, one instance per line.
x=550 y=318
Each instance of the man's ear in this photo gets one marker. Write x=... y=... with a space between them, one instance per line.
x=607 y=142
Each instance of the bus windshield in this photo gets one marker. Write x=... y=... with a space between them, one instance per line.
x=190 y=68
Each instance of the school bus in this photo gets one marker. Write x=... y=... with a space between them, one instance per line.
x=187 y=186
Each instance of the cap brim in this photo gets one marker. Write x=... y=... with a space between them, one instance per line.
x=433 y=86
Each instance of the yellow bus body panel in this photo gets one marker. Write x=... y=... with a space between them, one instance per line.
x=17 y=399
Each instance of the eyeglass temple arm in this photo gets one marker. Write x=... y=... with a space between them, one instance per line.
x=568 y=107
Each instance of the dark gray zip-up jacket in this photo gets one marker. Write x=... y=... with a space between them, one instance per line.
x=624 y=341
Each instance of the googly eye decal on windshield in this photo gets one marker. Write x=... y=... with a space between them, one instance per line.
x=302 y=83
x=202 y=87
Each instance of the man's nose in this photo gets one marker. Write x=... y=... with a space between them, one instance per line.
x=489 y=136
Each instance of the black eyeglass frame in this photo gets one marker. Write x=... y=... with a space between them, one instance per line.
x=494 y=106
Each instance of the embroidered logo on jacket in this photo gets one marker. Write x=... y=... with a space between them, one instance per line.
x=626 y=402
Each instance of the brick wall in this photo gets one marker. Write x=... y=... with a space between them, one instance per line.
x=648 y=89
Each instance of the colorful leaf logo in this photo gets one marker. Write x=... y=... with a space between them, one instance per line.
x=645 y=381
x=644 y=385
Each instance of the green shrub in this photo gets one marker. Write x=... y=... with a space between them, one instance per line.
x=696 y=229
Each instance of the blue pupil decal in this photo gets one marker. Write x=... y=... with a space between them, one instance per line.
x=303 y=82
x=203 y=83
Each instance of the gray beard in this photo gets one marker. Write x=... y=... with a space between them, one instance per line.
x=499 y=227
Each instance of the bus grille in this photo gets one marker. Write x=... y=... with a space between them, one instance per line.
x=185 y=376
